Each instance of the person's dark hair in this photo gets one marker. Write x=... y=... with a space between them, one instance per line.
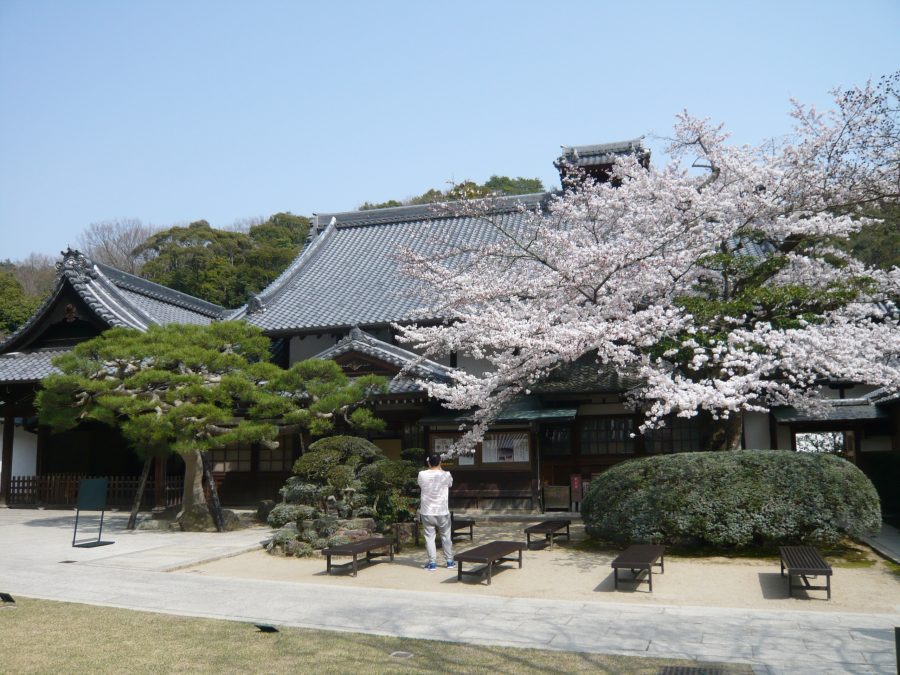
x=434 y=459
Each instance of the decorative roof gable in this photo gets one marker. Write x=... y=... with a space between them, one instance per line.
x=87 y=297
x=361 y=354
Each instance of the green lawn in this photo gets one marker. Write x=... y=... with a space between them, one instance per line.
x=40 y=636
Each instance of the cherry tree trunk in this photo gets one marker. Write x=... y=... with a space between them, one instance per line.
x=726 y=434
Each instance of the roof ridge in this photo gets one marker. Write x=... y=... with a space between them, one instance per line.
x=258 y=301
x=435 y=210
x=416 y=361
x=157 y=291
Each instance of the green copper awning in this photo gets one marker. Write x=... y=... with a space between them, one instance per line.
x=524 y=409
x=833 y=413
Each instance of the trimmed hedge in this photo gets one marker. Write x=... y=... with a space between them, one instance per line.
x=732 y=499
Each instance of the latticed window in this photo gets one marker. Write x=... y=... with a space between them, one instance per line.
x=607 y=436
x=679 y=435
x=505 y=447
x=413 y=435
x=235 y=458
x=556 y=439
x=277 y=459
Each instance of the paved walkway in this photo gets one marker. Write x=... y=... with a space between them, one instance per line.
x=39 y=561
x=886 y=542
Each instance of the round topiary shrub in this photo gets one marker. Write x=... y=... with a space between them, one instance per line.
x=732 y=499
x=283 y=514
x=297 y=491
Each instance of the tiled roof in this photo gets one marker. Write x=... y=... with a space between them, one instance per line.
x=164 y=295
x=597 y=155
x=363 y=343
x=27 y=367
x=350 y=272
x=115 y=297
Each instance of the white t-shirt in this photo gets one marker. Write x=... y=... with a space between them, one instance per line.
x=435 y=492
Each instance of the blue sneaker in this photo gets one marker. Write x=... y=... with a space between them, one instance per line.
x=451 y=564
x=430 y=566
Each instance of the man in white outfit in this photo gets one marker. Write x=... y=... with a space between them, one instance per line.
x=434 y=510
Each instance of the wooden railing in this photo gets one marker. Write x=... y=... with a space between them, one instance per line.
x=62 y=490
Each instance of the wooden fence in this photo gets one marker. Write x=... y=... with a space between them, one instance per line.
x=62 y=490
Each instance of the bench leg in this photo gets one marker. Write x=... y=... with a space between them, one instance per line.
x=616 y=578
x=459 y=570
x=662 y=564
x=355 y=565
x=490 y=568
x=528 y=539
x=568 y=535
x=550 y=537
x=520 y=558
x=828 y=584
x=391 y=549
x=328 y=564
x=650 y=576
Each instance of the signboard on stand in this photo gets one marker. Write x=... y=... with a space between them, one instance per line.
x=575 y=485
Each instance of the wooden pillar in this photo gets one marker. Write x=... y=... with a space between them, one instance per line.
x=159 y=482
x=9 y=430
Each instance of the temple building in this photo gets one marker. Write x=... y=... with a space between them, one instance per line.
x=339 y=300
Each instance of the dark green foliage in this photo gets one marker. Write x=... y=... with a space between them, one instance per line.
x=732 y=500
x=299 y=491
x=171 y=388
x=222 y=266
x=351 y=476
x=495 y=185
x=283 y=514
x=318 y=396
x=878 y=245
x=415 y=456
x=15 y=306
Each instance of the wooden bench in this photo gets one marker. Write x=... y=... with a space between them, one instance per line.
x=637 y=558
x=550 y=529
x=354 y=549
x=460 y=525
x=491 y=554
x=804 y=561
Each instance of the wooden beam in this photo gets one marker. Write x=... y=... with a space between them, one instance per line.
x=9 y=429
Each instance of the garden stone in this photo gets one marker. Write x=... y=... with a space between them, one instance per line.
x=264 y=509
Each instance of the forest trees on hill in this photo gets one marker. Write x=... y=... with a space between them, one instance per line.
x=223 y=266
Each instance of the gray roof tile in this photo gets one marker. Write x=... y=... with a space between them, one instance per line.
x=350 y=273
x=27 y=367
x=599 y=155
x=364 y=343
x=115 y=297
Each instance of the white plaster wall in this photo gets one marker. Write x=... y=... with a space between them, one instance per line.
x=470 y=365
x=756 y=430
x=309 y=346
x=24 y=460
x=876 y=444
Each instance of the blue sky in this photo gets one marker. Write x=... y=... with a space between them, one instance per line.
x=172 y=111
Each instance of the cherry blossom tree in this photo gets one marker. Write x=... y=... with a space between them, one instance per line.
x=715 y=278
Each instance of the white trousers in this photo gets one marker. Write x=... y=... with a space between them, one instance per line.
x=442 y=523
